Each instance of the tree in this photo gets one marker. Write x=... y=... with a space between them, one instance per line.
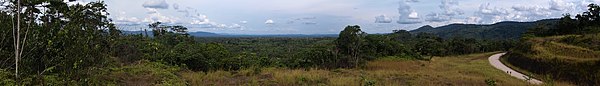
x=157 y=29
x=350 y=40
x=65 y=39
x=430 y=45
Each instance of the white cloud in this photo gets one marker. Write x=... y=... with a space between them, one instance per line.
x=309 y=23
x=560 y=5
x=235 y=26
x=200 y=19
x=121 y=18
x=244 y=22
x=436 y=17
x=156 y=4
x=412 y=0
x=528 y=13
x=413 y=15
x=76 y=2
x=492 y=15
x=450 y=8
x=269 y=22
x=151 y=11
x=383 y=19
x=158 y=17
x=407 y=14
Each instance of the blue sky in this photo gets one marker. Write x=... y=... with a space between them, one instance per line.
x=330 y=16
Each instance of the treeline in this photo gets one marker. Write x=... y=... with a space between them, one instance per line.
x=354 y=47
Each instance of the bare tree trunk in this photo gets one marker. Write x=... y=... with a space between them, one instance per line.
x=17 y=39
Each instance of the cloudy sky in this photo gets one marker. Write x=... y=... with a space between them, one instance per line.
x=330 y=16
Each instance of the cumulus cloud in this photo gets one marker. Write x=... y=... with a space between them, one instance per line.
x=383 y=19
x=413 y=15
x=450 y=8
x=200 y=19
x=158 y=17
x=436 y=17
x=156 y=4
x=560 y=5
x=525 y=13
x=269 y=22
x=491 y=15
x=244 y=22
x=125 y=20
x=235 y=26
x=555 y=8
x=407 y=14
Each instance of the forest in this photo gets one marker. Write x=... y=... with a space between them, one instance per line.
x=48 y=42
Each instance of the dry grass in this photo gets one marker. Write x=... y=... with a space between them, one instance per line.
x=457 y=70
x=565 y=51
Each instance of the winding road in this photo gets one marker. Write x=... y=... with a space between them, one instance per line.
x=495 y=61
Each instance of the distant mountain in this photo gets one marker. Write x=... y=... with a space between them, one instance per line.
x=204 y=34
x=209 y=34
x=501 y=30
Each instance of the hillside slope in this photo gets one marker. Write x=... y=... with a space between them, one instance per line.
x=557 y=58
x=501 y=30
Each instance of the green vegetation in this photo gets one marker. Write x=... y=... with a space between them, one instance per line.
x=472 y=69
x=567 y=51
x=78 y=45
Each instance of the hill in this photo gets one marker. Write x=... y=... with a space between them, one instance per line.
x=572 y=58
x=501 y=30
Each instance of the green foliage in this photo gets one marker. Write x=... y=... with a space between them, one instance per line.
x=490 y=82
x=6 y=78
x=69 y=39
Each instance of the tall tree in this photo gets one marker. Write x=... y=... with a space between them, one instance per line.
x=350 y=41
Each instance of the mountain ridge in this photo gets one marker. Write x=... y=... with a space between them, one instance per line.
x=500 y=30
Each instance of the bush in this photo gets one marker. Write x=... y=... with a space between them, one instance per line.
x=6 y=78
x=490 y=82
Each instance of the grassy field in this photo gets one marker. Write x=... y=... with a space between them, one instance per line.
x=469 y=70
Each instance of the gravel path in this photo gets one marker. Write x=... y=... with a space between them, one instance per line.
x=495 y=61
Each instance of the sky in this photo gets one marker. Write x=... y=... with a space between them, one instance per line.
x=330 y=16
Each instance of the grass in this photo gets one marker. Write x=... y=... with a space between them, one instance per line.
x=144 y=73
x=548 y=81
x=471 y=69
x=557 y=61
